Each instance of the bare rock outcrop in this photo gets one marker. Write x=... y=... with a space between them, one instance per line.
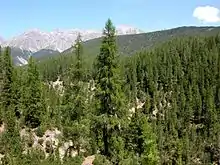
x=49 y=143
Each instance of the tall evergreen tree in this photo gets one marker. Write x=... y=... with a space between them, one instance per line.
x=74 y=87
x=17 y=88
x=78 y=53
x=11 y=137
x=75 y=102
x=33 y=103
x=111 y=109
x=6 y=91
x=142 y=140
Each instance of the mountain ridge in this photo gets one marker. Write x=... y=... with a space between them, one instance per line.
x=128 y=44
x=59 y=40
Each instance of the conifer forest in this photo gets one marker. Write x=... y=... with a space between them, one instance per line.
x=158 y=106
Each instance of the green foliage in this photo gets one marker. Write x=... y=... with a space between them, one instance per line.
x=6 y=87
x=100 y=160
x=150 y=153
x=53 y=66
x=7 y=105
x=110 y=101
x=159 y=106
x=75 y=121
x=40 y=131
x=78 y=160
x=141 y=140
x=78 y=70
x=32 y=101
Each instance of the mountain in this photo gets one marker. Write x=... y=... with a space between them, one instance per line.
x=129 y=44
x=124 y=29
x=44 y=52
x=59 y=40
x=34 y=41
x=20 y=57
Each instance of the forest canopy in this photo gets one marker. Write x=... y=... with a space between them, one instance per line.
x=156 y=107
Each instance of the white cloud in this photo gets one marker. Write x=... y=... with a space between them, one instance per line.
x=207 y=14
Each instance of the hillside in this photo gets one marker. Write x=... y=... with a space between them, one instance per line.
x=44 y=52
x=60 y=39
x=160 y=107
x=129 y=44
x=19 y=57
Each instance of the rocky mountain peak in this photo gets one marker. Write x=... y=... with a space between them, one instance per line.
x=126 y=29
x=59 y=40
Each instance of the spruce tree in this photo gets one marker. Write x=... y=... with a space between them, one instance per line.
x=74 y=86
x=17 y=88
x=33 y=103
x=6 y=89
x=78 y=53
x=111 y=109
x=11 y=137
x=79 y=87
x=149 y=153
x=75 y=102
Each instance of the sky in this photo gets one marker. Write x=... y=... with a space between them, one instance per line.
x=18 y=16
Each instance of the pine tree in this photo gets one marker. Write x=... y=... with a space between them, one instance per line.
x=34 y=106
x=141 y=139
x=149 y=153
x=131 y=80
x=111 y=109
x=75 y=102
x=17 y=90
x=74 y=87
x=78 y=53
x=6 y=91
x=11 y=138
x=79 y=87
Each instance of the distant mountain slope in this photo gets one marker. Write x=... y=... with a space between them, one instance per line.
x=129 y=44
x=19 y=57
x=59 y=40
x=44 y=52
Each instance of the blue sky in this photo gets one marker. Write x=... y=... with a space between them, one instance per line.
x=18 y=16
